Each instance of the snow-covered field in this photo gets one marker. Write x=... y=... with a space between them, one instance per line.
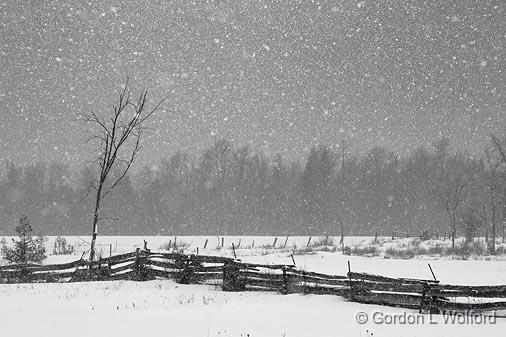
x=164 y=308
x=251 y=245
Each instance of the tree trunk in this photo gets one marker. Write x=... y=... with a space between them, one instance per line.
x=503 y=216
x=95 y=222
x=454 y=229
x=492 y=242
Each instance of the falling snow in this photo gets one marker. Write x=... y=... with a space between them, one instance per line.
x=290 y=74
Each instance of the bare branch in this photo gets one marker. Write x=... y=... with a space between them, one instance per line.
x=128 y=163
x=496 y=142
x=88 y=192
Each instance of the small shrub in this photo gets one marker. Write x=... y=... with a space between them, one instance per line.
x=166 y=246
x=438 y=249
x=317 y=246
x=27 y=249
x=304 y=251
x=473 y=248
x=367 y=250
x=420 y=251
x=408 y=252
x=322 y=242
x=500 y=250
x=180 y=245
x=330 y=249
x=61 y=247
x=396 y=253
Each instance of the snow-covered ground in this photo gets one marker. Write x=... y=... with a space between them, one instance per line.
x=164 y=308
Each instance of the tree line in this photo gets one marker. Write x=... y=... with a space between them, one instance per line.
x=229 y=190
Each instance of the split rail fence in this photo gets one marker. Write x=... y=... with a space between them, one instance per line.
x=234 y=275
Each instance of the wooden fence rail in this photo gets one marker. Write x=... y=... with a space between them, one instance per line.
x=423 y=235
x=234 y=275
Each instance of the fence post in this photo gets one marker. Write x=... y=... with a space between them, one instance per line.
x=284 y=287
x=432 y=272
x=308 y=241
x=274 y=243
x=186 y=273
x=287 y=281
x=137 y=264
x=423 y=300
x=304 y=286
x=24 y=274
x=231 y=281
x=205 y=243
x=286 y=240
x=349 y=277
x=100 y=272
x=141 y=271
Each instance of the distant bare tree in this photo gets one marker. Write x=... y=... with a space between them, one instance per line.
x=316 y=187
x=118 y=136
x=497 y=181
x=492 y=184
x=341 y=192
x=449 y=182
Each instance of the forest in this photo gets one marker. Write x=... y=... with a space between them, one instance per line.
x=227 y=190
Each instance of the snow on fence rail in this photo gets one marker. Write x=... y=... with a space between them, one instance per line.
x=234 y=275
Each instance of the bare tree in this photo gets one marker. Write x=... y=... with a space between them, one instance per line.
x=492 y=173
x=118 y=137
x=496 y=184
x=449 y=182
x=341 y=189
x=499 y=147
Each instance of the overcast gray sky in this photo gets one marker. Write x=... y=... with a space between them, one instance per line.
x=278 y=75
